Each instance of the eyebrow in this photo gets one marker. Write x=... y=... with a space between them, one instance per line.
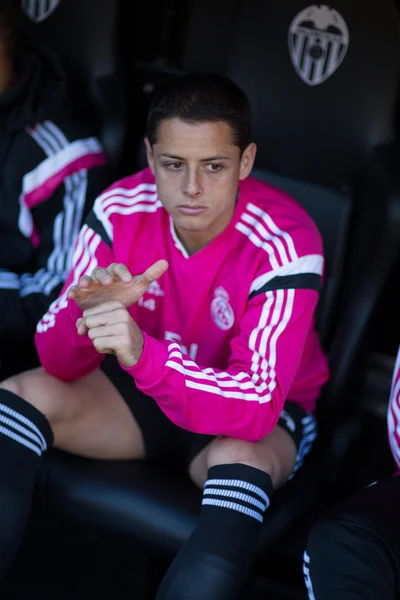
x=209 y=159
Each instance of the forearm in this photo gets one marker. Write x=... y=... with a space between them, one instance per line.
x=62 y=352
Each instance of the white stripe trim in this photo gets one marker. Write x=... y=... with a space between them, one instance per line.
x=85 y=261
x=127 y=193
x=259 y=243
x=236 y=495
x=239 y=483
x=20 y=440
x=66 y=224
x=9 y=281
x=207 y=382
x=307 y=576
x=258 y=226
x=18 y=417
x=57 y=133
x=232 y=506
x=16 y=428
x=103 y=217
x=274 y=228
x=178 y=244
x=122 y=201
x=312 y=263
x=55 y=163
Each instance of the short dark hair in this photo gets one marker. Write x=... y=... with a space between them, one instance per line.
x=200 y=98
x=10 y=22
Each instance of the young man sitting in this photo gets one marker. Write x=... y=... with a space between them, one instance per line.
x=210 y=357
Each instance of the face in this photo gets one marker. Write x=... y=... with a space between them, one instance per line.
x=197 y=170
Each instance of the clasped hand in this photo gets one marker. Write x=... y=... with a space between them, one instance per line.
x=104 y=297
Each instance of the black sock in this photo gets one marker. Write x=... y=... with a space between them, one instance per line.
x=215 y=561
x=24 y=435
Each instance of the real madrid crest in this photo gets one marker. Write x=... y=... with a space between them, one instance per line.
x=318 y=42
x=221 y=310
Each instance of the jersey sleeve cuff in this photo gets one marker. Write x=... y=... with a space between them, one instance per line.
x=150 y=367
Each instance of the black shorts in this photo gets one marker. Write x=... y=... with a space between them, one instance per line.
x=165 y=441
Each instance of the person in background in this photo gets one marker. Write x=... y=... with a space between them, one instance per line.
x=354 y=552
x=51 y=170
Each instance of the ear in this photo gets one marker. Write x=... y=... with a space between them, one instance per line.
x=247 y=161
x=150 y=155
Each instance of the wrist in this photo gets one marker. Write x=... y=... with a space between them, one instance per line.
x=131 y=358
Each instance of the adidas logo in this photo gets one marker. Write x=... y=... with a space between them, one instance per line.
x=154 y=288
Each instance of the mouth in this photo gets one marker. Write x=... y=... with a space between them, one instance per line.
x=191 y=209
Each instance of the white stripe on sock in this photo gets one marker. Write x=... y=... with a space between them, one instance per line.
x=238 y=483
x=233 y=506
x=20 y=440
x=237 y=496
x=13 y=425
x=16 y=416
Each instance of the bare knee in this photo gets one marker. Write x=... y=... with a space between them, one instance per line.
x=40 y=390
x=275 y=454
x=233 y=451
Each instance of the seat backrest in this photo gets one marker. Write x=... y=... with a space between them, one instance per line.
x=322 y=82
x=85 y=35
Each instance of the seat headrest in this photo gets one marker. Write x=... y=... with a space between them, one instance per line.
x=322 y=81
x=82 y=32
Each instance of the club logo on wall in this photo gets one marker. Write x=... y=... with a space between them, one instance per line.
x=39 y=10
x=318 y=42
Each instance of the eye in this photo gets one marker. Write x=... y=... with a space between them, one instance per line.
x=214 y=168
x=173 y=166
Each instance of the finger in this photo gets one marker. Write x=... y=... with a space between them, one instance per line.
x=82 y=329
x=110 y=331
x=103 y=308
x=102 y=345
x=113 y=317
x=73 y=292
x=156 y=270
x=121 y=271
x=85 y=282
x=102 y=276
x=151 y=274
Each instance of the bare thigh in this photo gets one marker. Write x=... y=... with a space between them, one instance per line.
x=88 y=417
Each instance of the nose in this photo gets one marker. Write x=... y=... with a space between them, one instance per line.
x=192 y=187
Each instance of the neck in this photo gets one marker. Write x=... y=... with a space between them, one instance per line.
x=6 y=73
x=194 y=241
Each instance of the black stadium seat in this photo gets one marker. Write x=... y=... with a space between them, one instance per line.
x=330 y=145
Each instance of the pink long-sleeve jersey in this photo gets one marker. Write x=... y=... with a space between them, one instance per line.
x=228 y=332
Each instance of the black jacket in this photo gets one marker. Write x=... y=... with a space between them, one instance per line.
x=51 y=170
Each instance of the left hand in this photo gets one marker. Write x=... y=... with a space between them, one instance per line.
x=113 y=331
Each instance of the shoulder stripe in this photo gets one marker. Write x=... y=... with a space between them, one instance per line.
x=263 y=232
x=309 y=264
x=41 y=183
x=274 y=229
x=127 y=193
x=97 y=226
x=140 y=199
x=304 y=281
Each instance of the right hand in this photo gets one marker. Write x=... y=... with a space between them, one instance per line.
x=113 y=283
